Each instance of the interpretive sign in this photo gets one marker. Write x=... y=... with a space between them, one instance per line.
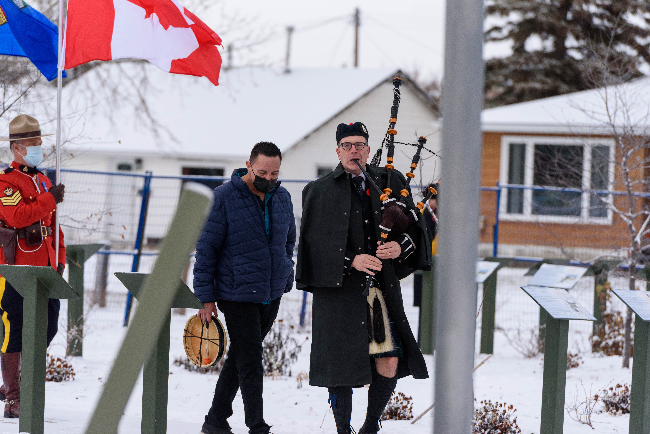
x=558 y=303
x=484 y=269
x=557 y=276
x=638 y=301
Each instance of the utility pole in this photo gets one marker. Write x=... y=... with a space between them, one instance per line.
x=357 y=23
x=290 y=29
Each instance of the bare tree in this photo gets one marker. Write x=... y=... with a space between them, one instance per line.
x=627 y=117
x=624 y=116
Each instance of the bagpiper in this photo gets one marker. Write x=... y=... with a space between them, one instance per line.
x=28 y=204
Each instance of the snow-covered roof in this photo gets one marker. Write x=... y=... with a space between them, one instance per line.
x=249 y=105
x=593 y=111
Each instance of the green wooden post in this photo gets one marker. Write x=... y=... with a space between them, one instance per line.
x=599 y=280
x=155 y=379
x=77 y=255
x=555 y=360
x=427 y=327
x=156 y=370
x=36 y=285
x=34 y=360
x=488 y=313
x=640 y=393
x=158 y=292
x=541 y=336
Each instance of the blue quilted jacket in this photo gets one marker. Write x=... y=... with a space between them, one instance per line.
x=241 y=255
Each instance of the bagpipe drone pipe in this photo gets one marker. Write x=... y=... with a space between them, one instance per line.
x=396 y=218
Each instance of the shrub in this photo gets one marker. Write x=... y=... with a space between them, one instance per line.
x=582 y=408
x=495 y=418
x=573 y=361
x=399 y=407
x=610 y=334
x=616 y=399
x=280 y=350
x=528 y=344
x=58 y=369
x=303 y=376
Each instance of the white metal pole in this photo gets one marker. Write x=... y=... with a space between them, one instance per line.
x=59 y=87
x=459 y=207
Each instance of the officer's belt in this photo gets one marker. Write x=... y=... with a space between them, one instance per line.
x=46 y=231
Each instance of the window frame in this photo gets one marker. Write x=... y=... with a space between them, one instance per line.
x=529 y=155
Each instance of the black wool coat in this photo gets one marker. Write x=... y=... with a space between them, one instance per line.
x=339 y=348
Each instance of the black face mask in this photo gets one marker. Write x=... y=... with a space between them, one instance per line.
x=264 y=185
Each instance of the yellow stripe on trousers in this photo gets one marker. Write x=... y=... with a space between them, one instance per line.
x=5 y=320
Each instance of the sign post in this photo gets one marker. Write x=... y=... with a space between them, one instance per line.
x=36 y=285
x=77 y=255
x=427 y=323
x=639 y=302
x=155 y=376
x=554 y=276
x=560 y=307
x=486 y=273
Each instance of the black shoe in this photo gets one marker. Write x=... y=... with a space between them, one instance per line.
x=370 y=428
x=209 y=429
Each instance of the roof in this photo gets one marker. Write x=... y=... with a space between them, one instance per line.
x=591 y=111
x=250 y=105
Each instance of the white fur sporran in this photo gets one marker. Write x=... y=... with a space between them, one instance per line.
x=387 y=345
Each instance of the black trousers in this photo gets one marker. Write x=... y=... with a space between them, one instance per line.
x=248 y=324
x=11 y=311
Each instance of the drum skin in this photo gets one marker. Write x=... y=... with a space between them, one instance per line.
x=204 y=345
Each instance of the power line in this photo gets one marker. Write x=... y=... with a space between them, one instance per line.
x=379 y=48
x=402 y=34
x=338 y=44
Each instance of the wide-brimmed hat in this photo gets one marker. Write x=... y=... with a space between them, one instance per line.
x=23 y=127
x=205 y=344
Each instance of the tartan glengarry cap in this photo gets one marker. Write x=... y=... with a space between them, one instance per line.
x=353 y=129
x=23 y=127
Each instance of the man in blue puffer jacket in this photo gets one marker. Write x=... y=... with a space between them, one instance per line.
x=244 y=263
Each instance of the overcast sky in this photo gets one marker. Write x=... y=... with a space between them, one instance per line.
x=406 y=34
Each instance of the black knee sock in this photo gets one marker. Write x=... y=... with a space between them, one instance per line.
x=379 y=394
x=341 y=401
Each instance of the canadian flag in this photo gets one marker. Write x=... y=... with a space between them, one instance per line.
x=159 y=31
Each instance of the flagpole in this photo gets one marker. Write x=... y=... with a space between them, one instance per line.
x=59 y=87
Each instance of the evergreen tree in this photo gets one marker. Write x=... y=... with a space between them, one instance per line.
x=556 y=43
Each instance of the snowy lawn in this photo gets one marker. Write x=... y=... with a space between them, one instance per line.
x=506 y=377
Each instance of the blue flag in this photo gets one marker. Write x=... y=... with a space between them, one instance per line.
x=25 y=32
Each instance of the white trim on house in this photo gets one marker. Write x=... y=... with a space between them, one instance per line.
x=529 y=142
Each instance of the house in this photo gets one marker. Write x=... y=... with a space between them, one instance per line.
x=567 y=141
x=214 y=130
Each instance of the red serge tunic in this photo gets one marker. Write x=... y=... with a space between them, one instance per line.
x=24 y=201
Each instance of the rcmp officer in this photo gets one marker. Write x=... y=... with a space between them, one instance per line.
x=338 y=248
x=28 y=204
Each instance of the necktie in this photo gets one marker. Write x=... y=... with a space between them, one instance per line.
x=358 y=183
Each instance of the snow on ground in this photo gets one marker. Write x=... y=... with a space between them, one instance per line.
x=506 y=377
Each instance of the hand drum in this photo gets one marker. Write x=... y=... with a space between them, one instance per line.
x=204 y=344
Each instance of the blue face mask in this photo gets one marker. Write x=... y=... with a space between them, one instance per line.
x=34 y=156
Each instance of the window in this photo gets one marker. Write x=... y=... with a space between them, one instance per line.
x=556 y=163
x=205 y=171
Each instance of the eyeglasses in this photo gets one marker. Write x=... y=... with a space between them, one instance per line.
x=359 y=146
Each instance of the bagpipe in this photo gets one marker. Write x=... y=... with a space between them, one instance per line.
x=396 y=218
